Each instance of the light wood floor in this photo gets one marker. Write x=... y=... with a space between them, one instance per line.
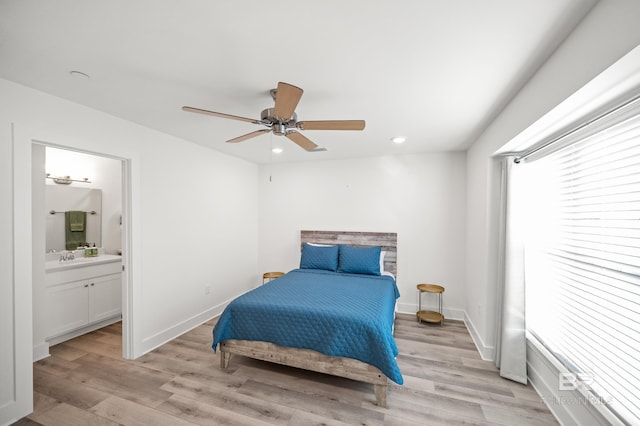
x=86 y=382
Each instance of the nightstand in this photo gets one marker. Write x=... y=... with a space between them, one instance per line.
x=430 y=316
x=271 y=276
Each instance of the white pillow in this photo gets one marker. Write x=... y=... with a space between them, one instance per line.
x=321 y=245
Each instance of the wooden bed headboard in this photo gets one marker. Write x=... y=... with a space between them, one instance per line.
x=387 y=240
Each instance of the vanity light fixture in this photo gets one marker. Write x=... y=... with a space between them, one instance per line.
x=66 y=180
x=398 y=139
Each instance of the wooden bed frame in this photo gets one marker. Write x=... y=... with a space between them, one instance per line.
x=312 y=360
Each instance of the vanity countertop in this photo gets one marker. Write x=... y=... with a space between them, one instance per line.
x=79 y=262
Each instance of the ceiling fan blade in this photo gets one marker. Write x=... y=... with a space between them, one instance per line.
x=221 y=115
x=331 y=125
x=301 y=140
x=249 y=136
x=287 y=98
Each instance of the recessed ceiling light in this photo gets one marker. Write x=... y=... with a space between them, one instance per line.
x=277 y=150
x=78 y=74
x=398 y=139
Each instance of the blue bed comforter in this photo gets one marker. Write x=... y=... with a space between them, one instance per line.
x=348 y=315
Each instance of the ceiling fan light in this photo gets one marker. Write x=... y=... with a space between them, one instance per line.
x=398 y=139
x=277 y=150
x=282 y=120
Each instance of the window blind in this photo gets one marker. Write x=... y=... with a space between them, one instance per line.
x=582 y=261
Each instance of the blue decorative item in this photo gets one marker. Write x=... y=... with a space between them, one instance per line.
x=359 y=260
x=319 y=257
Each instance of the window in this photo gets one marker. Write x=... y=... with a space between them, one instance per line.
x=582 y=257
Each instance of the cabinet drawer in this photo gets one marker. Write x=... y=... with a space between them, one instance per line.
x=82 y=273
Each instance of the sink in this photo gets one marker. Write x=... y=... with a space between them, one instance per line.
x=78 y=262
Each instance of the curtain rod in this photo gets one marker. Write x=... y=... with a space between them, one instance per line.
x=54 y=212
x=575 y=129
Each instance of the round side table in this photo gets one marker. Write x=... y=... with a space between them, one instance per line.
x=430 y=316
x=271 y=276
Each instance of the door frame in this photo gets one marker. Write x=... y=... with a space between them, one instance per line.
x=127 y=290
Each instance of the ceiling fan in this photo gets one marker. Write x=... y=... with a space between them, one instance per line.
x=282 y=119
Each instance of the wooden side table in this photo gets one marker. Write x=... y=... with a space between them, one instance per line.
x=271 y=276
x=430 y=316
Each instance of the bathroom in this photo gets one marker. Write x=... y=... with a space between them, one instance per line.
x=72 y=293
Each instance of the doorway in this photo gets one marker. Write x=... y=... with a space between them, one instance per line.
x=89 y=171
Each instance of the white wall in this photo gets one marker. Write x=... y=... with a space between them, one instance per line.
x=194 y=224
x=421 y=197
x=609 y=31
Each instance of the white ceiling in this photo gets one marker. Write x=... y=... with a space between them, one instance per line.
x=435 y=71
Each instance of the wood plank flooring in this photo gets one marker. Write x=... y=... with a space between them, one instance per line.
x=86 y=382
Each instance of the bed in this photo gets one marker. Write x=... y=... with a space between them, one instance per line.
x=333 y=315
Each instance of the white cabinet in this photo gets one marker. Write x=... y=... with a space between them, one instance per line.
x=79 y=297
x=67 y=307
x=105 y=297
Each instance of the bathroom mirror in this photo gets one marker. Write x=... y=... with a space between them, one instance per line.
x=60 y=199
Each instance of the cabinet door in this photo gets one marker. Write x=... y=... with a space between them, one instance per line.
x=67 y=307
x=105 y=297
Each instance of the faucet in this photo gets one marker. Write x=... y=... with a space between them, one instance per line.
x=67 y=255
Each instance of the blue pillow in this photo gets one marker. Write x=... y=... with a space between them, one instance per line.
x=315 y=257
x=359 y=260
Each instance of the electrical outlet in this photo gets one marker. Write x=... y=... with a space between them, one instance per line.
x=207 y=289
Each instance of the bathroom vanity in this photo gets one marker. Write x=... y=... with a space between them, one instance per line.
x=82 y=295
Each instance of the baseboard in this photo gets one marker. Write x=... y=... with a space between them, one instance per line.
x=152 y=342
x=449 y=313
x=40 y=351
x=487 y=353
x=84 y=330
x=159 y=339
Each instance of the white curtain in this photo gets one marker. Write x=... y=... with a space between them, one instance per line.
x=511 y=349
